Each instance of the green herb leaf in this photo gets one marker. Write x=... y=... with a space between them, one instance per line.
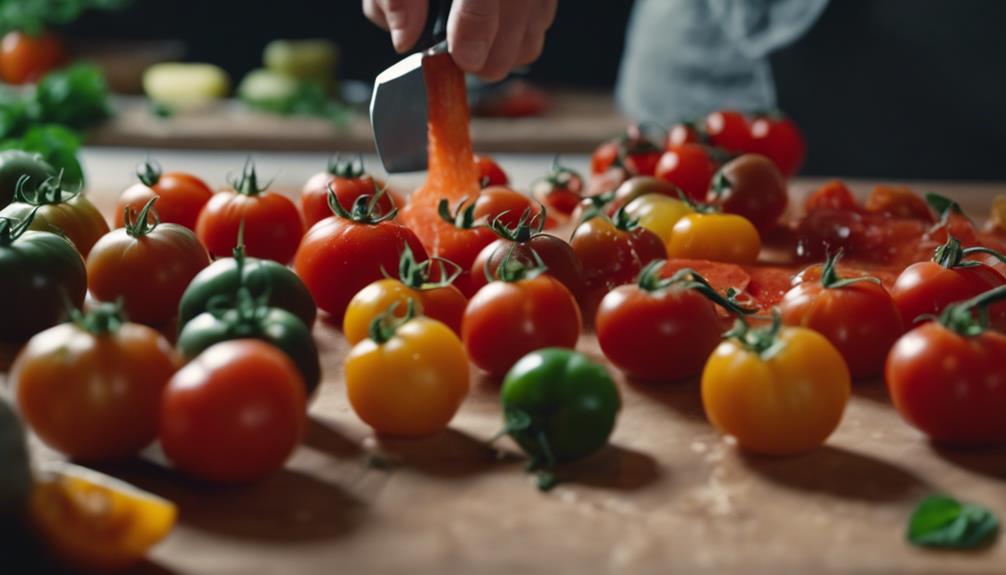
x=57 y=145
x=76 y=97
x=943 y=522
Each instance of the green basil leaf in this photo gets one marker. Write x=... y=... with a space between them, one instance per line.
x=943 y=522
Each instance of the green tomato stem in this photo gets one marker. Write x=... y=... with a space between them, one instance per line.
x=830 y=278
x=139 y=225
x=384 y=326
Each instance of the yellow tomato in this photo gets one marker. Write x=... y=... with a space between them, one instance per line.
x=444 y=303
x=718 y=237
x=658 y=213
x=94 y=522
x=412 y=382
x=786 y=398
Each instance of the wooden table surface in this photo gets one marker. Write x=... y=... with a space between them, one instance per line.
x=669 y=495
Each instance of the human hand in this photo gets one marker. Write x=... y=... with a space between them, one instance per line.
x=485 y=37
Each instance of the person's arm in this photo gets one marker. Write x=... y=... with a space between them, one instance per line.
x=485 y=37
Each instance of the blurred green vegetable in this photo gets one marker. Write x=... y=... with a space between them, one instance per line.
x=57 y=145
x=308 y=60
x=76 y=97
x=32 y=16
x=279 y=93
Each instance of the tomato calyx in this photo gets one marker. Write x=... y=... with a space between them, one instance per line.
x=512 y=269
x=365 y=208
x=762 y=341
x=650 y=281
x=149 y=173
x=944 y=208
x=385 y=326
x=560 y=176
x=349 y=169
x=518 y=420
x=139 y=225
x=11 y=229
x=951 y=254
x=829 y=274
x=623 y=221
x=462 y=217
x=103 y=318
x=970 y=318
x=416 y=274
x=697 y=206
x=720 y=185
x=50 y=191
x=522 y=231
x=247 y=184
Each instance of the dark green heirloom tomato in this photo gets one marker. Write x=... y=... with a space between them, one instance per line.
x=284 y=288
x=17 y=163
x=40 y=272
x=558 y=406
x=251 y=319
x=15 y=478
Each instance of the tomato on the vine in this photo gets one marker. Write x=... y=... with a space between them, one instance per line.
x=560 y=190
x=728 y=130
x=490 y=172
x=437 y=299
x=347 y=251
x=503 y=203
x=148 y=264
x=409 y=377
x=65 y=212
x=91 y=388
x=521 y=311
x=26 y=57
x=779 y=139
x=181 y=196
x=635 y=151
x=17 y=163
x=856 y=314
x=778 y=390
x=39 y=273
x=348 y=181
x=272 y=224
x=750 y=186
x=945 y=376
x=661 y=329
x=461 y=243
x=688 y=167
x=234 y=414
x=715 y=236
x=832 y=195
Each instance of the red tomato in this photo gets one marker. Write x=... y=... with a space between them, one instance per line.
x=234 y=413
x=751 y=186
x=506 y=204
x=147 y=264
x=348 y=181
x=946 y=378
x=490 y=173
x=779 y=140
x=343 y=253
x=462 y=243
x=898 y=202
x=25 y=58
x=515 y=315
x=856 y=315
x=833 y=195
x=689 y=167
x=634 y=150
x=612 y=253
x=272 y=224
x=180 y=196
x=729 y=130
x=684 y=133
x=559 y=191
x=660 y=329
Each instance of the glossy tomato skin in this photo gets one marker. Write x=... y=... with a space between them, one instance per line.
x=729 y=130
x=636 y=187
x=25 y=58
x=339 y=257
x=859 y=319
x=926 y=288
x=150 y=273
x=718 y=237
x=463 y=246
x=784 y=405
x=780 y=140
x=560 y=191
x=490 y=172
x=234 y=414
x=685 y=133
x=752 y=187
x=688 y=167
x=664 y=335
x=504 y=202
x=75 y=217
x=506 y=320
x=17 y=163
x=658 y=213
x=949 y=385
x=37 y=270
x=635 y=151
x=272 y=225
x=180 y=196
x=411 y=385
x=555 y=253
x=111 y=383
x=445 y=304
x=314 y=196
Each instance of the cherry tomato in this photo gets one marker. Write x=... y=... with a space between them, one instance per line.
x=148 y=264
x=26 y=58
x=91 y=389
x=833 y=195
x=778 y=139
x=504 y=203
x=180 y=196
x=463 y=241
x=234 y=414
x=560 y=191
x=517 y=314
x=945 y=376
x=348 y=181
x=660 y=329
x=752 y=187
x=658 y=213
x=719 y=237
x=629 y=190
x=635 y=151
x=857 y=315
x=272 y=224
x=688 y=167
x=344 y=253
x=67 y=213
x=685 y=133
x=409 y=377
x=15 y=164
x=439 y=300
x=777 y=390
x=490 y=173
x=898 y=202
x=728 y=130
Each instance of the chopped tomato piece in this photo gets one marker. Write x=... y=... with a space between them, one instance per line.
x=898 y=202
x=833 y=195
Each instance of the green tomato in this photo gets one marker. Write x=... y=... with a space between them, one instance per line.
x=40 y=273
x=17 y=163
x=314 y=60
x=15 y=481
x=559 y=406
x=272 y=325
x=220 y=279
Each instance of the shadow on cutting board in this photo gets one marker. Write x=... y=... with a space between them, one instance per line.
x=448 y=454
x=613 y=468
x=987 y=461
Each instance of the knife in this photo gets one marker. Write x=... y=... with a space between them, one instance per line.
x=398 y=112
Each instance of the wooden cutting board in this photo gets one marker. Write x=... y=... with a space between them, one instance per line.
x=669 y=495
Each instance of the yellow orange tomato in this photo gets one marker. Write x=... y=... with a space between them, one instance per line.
x=658 y=213
x=444 y=303
x=718 y=237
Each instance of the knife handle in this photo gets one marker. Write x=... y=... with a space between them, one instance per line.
x=440 y=22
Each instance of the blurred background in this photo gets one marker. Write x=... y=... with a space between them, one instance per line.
x=881 y=88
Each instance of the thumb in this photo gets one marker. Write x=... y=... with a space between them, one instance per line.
x=406 y=19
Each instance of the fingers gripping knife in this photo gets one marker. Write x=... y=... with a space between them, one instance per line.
x=398 y=112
